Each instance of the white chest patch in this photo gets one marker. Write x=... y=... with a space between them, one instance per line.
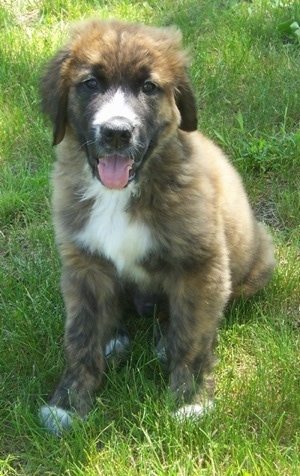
x=112 y=233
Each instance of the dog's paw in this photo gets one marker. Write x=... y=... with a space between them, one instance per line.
x=55 y=419
x=161 y=351
x=161 y=354
x=118 y=346
x=194 y=411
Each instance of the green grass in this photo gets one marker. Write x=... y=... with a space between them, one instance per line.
x=245 y=70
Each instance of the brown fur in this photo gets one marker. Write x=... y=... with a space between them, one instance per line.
x=207 y=245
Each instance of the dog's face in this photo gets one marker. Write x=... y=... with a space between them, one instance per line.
x=111 y=89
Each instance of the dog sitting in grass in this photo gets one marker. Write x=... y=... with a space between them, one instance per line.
x=142 y=203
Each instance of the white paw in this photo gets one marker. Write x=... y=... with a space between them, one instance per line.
x=161 y=354
x=161 y=351
x=55 y=419
x=192 y=411
x=117 y=346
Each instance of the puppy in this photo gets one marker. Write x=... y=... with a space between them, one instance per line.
x=141 y=202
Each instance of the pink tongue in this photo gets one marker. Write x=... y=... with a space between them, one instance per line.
x=114 y=171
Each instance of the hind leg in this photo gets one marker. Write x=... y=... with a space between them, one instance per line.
x=197 y=299
x=262 y=267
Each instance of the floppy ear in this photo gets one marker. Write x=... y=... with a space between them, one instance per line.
x=186 y=103
x=54 y=95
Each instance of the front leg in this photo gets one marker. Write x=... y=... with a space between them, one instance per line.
x=197 y=300
x=91 y=298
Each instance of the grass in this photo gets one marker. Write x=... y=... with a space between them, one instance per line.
x=245 y=70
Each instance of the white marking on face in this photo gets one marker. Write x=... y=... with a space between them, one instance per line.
x=117 y=106
x=111 y=232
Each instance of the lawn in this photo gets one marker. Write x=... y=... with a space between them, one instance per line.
x=245 y=70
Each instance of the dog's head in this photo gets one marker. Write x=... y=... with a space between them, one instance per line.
x=121 y=90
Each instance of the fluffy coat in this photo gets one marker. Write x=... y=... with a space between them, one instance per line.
x=141 y=202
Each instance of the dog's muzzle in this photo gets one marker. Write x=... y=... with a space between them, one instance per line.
x=114 y=164
x=116 y=150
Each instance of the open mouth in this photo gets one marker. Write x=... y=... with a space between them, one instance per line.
x=115 y=171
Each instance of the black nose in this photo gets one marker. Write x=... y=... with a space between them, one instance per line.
x=116 y=133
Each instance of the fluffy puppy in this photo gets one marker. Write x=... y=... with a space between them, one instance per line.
x=141 y=201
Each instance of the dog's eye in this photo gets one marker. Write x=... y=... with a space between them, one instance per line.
x=91 y=83
x=149 y=87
